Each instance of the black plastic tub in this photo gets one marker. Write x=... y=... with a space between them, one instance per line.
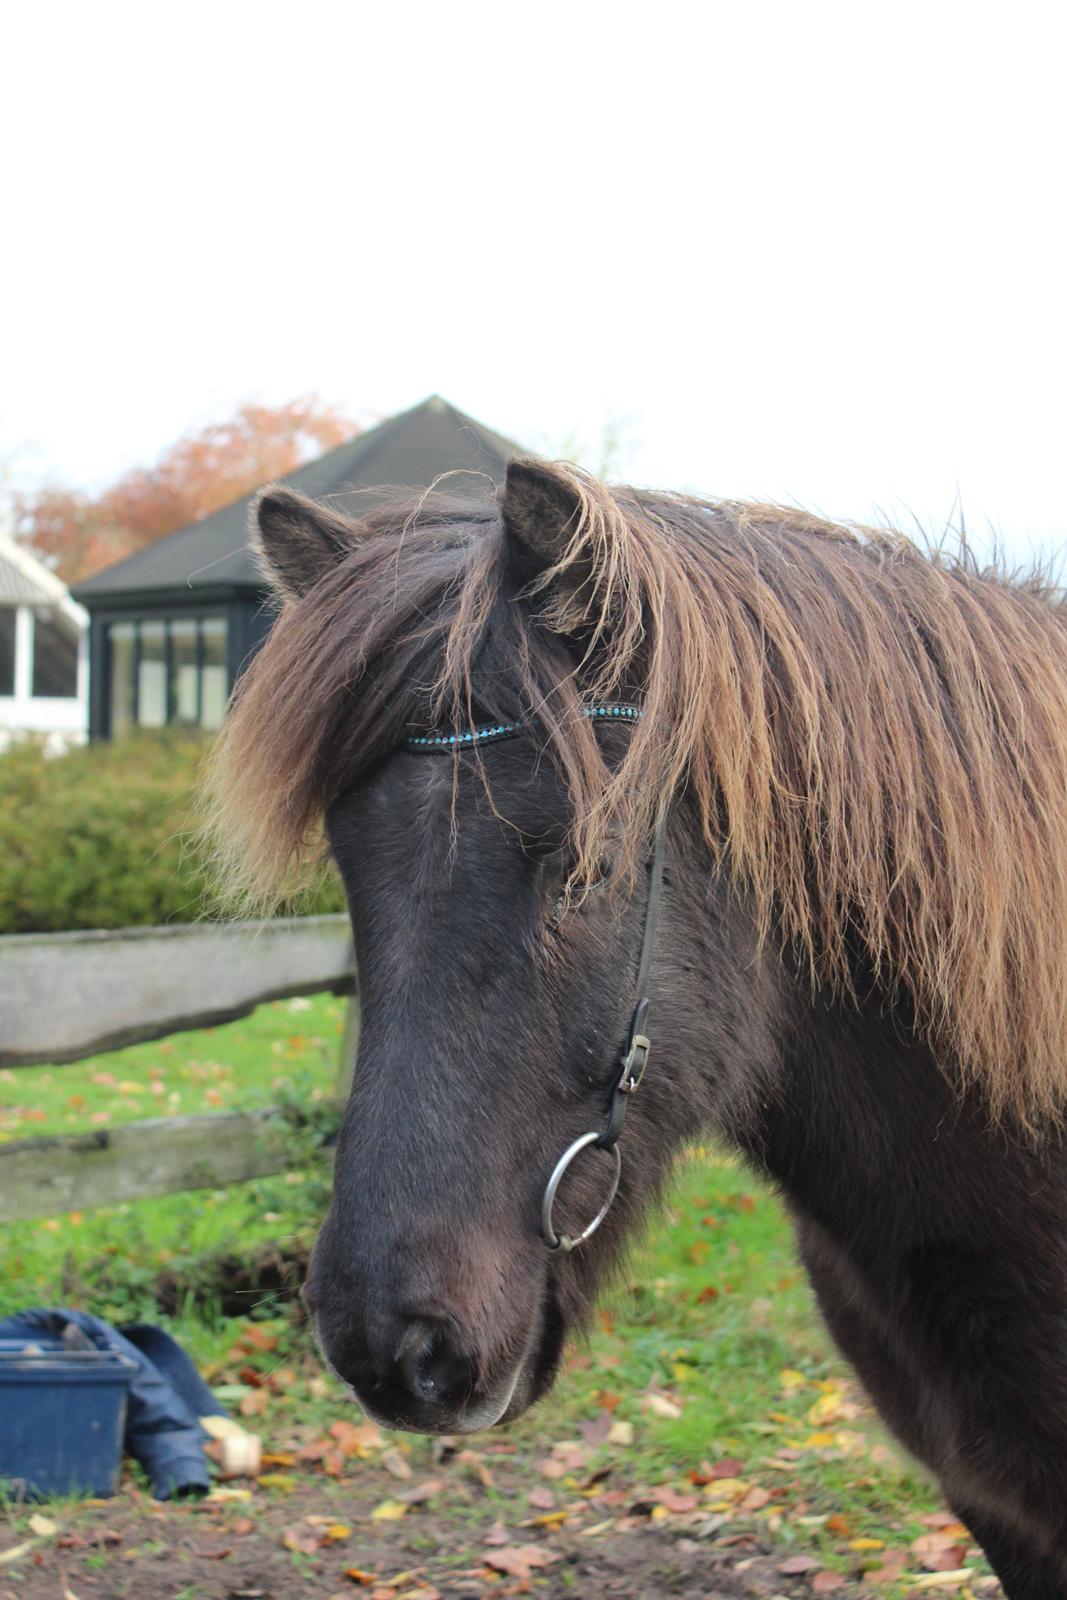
x=62 y=1417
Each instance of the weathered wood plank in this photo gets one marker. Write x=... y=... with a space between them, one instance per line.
x=41 y=1177
x=64 y=996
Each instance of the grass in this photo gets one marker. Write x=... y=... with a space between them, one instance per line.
x=709 y=1347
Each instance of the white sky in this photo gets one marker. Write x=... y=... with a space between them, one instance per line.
x=807 y=251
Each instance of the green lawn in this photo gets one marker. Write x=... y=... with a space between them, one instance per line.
x=708 y=1349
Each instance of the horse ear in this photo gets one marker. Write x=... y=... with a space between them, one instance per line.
x=540 y=504
x=297 y=540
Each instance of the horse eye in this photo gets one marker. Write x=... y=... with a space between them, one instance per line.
x=601 y=877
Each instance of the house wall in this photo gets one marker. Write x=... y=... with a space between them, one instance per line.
x=248 y=621
x=60 y=721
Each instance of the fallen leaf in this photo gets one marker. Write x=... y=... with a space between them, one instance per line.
x=519 y=1560
x=396 y=1462
x=660 y=1406
x=622 y=1433
x=282 y=1481
x=42 y=1526
x=793 y=1566
x=357 y=1439
x=17 y=1551
x=305 y=1541
x=542 y=1499
x=597 y=1430
x=944 y=1580
x=357 y=1575
x=826 y=1582
x=389 y=1511
x=421 y=1492
x=256 y=1337
x=672 y=1501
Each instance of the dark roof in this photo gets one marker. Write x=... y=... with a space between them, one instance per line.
x=409 y=450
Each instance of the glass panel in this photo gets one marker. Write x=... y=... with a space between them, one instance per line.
x=214 y=681
x=152 y=676
x=7 y=649
x=120 y=654
x=55 y=655
x=183 y=683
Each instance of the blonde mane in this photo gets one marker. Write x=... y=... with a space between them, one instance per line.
x=874 y=739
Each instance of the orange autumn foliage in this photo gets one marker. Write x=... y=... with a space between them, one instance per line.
x=79 y=533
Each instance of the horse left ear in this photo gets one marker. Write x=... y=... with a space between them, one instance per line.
x=298 y=540
x=540 y=503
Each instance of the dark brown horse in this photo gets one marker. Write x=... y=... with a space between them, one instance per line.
x=855 y=759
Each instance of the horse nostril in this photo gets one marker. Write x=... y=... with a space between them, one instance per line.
x=431 y=1368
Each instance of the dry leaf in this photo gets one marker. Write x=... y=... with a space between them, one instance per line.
x=42 y=1526
x=389 y=1511
x=304 y=1540
x=660 y=1406
x=793 y=1566
x=519 y=1560
x=16 y=1551
x=396 y=1462
x=672 y=1501
x=944 y=1580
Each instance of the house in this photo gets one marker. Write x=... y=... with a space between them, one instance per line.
x=172 y=625
x=43 y=659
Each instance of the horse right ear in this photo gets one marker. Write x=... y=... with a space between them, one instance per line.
x=541 y=504
x=298 y=540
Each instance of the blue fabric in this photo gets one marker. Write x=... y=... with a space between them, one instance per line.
x=167 y=1394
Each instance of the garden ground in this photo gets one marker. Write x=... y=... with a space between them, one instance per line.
x=704 y=1439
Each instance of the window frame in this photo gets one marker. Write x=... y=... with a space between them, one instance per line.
x=153 y=618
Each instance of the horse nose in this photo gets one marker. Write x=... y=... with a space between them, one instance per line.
x=430 y=1367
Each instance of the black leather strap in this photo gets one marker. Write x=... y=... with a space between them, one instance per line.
x=635 y=1052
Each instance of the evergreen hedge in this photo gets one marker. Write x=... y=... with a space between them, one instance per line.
x=105 y=837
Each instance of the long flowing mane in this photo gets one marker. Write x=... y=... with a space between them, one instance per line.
x=873 y=738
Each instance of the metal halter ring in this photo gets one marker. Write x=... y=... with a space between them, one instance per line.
x=563 y=1243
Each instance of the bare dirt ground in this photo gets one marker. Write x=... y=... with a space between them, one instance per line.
x=305 y=1539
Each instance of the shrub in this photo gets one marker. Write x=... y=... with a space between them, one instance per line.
x=105 y=837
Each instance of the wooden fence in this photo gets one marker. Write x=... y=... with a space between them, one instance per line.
x=66 y=996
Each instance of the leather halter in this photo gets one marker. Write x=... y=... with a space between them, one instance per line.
x=633 y=1057
x=632 y=1062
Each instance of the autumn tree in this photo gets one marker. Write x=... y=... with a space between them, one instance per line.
x=78 y=533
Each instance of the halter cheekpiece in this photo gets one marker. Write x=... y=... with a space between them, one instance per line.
x=633 y=1057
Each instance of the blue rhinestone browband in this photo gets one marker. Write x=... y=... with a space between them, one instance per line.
x=492 y=732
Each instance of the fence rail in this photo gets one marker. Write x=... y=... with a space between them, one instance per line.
x=67 y=996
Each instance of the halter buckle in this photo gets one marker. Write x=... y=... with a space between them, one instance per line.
x=634 y=1063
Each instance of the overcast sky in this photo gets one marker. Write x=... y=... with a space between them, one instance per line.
x=806 y=251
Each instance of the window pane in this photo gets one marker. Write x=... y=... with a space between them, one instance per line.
x=183 y=684
x=214 y=682
x=55 y=655
x=152 y=676
x=7 y=649
x=120 y=637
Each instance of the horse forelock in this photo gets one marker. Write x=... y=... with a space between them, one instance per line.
x=873 y=738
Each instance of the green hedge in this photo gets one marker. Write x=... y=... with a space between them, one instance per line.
x=105 y=837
